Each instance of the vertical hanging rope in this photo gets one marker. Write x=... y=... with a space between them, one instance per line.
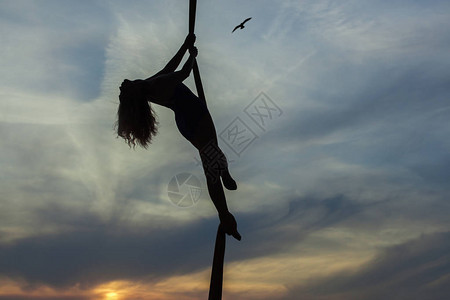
x=195 y=70
x=215 y=286
x=192 y=10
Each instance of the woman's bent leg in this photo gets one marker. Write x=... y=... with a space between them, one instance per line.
x=213 y=158
x=227 y=180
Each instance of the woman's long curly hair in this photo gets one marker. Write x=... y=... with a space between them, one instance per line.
x=136 y=122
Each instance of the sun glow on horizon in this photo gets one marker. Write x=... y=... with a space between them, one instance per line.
x=112 y=296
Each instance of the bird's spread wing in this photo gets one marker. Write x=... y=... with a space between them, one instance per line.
x=241 y=25
x=246 y=20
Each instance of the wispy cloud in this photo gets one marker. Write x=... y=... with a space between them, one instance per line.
x=347 y=180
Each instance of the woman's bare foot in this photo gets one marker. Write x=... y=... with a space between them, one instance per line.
x=228 y=182
x=229 y=225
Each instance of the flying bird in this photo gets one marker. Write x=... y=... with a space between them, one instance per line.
x=241 y=26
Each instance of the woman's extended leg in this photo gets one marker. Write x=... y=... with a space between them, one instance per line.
x=217 y=195
x=215 y=165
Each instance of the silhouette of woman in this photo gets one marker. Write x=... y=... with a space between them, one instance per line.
x=137 y=125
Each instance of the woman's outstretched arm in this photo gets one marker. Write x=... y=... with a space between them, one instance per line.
x=173 y=64
x=167 y=81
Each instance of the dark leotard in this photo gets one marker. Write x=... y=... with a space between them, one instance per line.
x=189 y=110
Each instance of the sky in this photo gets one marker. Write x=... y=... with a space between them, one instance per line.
x=342 y=157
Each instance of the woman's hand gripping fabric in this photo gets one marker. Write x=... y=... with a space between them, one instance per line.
x=190 y=40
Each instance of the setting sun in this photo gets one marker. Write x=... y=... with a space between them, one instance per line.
x=111 y=296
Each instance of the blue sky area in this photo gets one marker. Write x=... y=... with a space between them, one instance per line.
x=343 y=174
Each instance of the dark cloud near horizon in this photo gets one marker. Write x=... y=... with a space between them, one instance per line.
x=100 y=252
x=417 y=269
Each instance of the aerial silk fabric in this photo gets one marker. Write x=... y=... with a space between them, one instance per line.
x=215 y=287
